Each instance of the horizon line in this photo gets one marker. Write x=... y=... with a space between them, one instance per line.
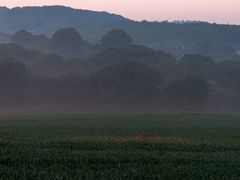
x=176 y=21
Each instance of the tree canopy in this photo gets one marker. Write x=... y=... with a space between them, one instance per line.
x=116 y=38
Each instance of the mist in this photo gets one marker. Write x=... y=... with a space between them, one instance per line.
x=115 y=64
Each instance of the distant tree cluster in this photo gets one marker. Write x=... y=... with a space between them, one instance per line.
x=67 y=71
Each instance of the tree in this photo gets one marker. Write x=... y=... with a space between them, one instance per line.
x=191 y=90
x=22 y=37
x=30 y=41
x=116 y=38
x=17 y=52
x=13 y=74
x=129 y=82
x=67 y=36
x=140 y=54
x=68 y=42
x=229 y=74
x=197 y=64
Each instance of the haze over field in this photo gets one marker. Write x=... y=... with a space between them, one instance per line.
x=57 y=58
x=119 y=89
x=219 y=11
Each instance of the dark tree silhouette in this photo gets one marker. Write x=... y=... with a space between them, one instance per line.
x=191 y=90
x=116 y=38
x=129 y=82
x=197 y=64
x=69 y=43
x=22 y=37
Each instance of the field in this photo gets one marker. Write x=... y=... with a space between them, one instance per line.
x=120 y=146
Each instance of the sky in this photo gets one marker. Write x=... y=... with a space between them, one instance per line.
x=219 y=11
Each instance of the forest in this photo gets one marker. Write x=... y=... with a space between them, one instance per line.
x=65 y=72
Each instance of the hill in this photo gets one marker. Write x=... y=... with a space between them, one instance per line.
x=219 y=41
x=48 y=19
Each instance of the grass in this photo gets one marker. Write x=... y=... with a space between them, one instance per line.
x=120 y=146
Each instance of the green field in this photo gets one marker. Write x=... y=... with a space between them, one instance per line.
x=120 y=146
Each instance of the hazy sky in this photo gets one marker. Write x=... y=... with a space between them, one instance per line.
x=220 y=11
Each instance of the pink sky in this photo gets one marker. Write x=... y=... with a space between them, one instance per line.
x=220 y=11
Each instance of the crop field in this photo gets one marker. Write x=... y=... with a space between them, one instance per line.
x=120 y=146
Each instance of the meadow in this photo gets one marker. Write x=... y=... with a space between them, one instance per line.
x=120 y=146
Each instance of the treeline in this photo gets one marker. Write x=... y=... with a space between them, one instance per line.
x=65 y=72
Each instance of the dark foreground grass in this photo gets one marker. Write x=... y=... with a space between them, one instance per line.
x=120 y=146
